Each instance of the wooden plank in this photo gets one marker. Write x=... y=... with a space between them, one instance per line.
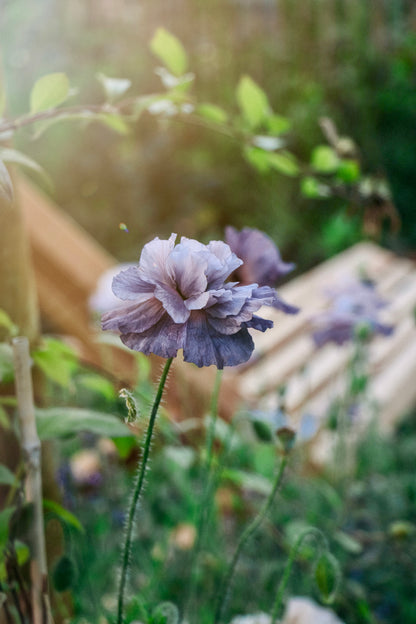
x=67 y=264
x=286 y=354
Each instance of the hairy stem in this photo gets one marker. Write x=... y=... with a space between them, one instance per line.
x=310 y=531
x=208 y=479
x=246 y=535
x=137 y=489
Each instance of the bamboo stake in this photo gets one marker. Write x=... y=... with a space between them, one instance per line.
x=31 y=448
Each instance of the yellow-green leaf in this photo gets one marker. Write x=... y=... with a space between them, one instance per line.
x=49 y=91
x=18 y=158
x=324 y=159
x=170 y=51
x=211 y=112
x=253 y=102
x=284 y=162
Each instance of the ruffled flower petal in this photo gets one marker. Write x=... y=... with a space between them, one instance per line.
x=133 y=317
x=204 y=346
x=188 y=270
x=153 y=260
x=262 y=261
x=259 y=323
x=178 y=299
x=163 y=339
x=173 y=303
x=227 y=262
x=129 y=284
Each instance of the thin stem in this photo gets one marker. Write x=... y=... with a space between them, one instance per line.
x=289 y=565
x=208 y=478
x=247 y=534
x=31 y=448
x=213 y=421
x=138 y=486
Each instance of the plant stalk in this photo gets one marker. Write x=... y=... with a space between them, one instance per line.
x=31 y=447
x=310 y=531
x=246 y=535
x=208 y=478
x=137 y=490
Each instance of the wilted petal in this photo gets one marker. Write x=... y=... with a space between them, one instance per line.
x=163 y=339
x=188 y=271
x=287 y=308
x=261 y=257
x=231 y=303
x=226 y=263
x=173 y=303
x=204 y=346
x=129 y=284
x=179 y=299
x=153 y=260
x=133 y=317
x=259 y=323
x=198 y=301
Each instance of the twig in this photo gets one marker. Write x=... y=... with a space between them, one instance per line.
x=30 y=444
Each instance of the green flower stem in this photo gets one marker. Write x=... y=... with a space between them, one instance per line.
x=246 y=535
x=208 y=478
x=320 y=537
x=138 y=486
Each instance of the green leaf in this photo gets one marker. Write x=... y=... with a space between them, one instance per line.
x=324 y=159
x=63 y=574
x=257 y=158
x=6 y=476
x=253 y=102
x=348 y=170
x=114 y=121
x=263 y=431
x=170 y=51
x=99 y=385
x=48 y=92
x=327 y=576
x=165 y=613
x=56 y=360
x=63 y=514
x=348 y=543
x=114 y=88
x=4 y=419
x=6 y=186
x=211 y=112
x=5 y=516
x=313 y=189
x=125 y=446
x=22 y=553
x=6 y=363
x=284 y=162
x=18 y=158
x=277 y=124
x=58 y=422
x=7 y=323
x=248 y=481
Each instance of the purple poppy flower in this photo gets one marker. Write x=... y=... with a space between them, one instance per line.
x=353 y=305
x=177 y=298
x=262 y=262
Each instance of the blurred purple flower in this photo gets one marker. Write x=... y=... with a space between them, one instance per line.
x=353 y=306
x=262 y=262
x=177 y=298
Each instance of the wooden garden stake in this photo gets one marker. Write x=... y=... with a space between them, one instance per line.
x=31 y=448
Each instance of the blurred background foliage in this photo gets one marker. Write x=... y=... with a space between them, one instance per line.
x=345 y=59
